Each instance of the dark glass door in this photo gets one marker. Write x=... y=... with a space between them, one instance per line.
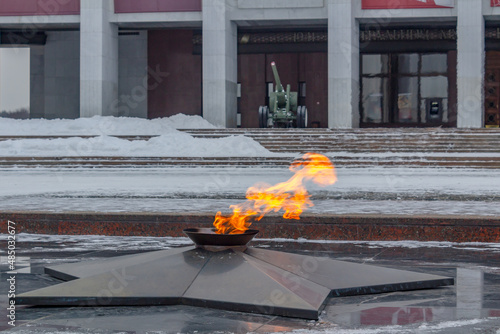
x=405 y=89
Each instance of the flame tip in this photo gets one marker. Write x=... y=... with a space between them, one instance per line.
x=290 y=196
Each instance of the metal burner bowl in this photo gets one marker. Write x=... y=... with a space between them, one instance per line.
x=208 y=237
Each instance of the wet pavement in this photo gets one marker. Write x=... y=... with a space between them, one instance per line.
x=470 y=306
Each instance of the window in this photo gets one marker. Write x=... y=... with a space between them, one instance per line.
x=402 y=88
x=374 y=100
x=408 y=63
x=375 y=64
x=407 y=104
x=434 y=63
x=375 y=83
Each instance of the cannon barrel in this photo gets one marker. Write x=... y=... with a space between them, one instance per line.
x=279 y=86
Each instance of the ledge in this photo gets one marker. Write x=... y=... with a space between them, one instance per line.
x=314 y=227
x=260 y=4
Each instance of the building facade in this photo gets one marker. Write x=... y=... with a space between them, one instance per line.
x=359 y=63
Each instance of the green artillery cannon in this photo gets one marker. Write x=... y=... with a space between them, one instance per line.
x=283 y=110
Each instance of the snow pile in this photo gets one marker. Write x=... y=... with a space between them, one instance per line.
x=170 y=142
x=101 y=125
x=181 y=121
x=174 y=144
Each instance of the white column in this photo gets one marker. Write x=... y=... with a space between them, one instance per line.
x=470 y=69
x=219 y=64
x=98 y=58
x=343 y=65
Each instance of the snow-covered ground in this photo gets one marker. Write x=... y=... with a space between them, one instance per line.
x=233 y=182
x=73 y=243
x=367 y=190
x=173 y=144
x=208 y=206
x=400 y=190
x=449 y=327
x=170 y=142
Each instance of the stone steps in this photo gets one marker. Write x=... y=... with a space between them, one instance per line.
x=339 y=161
x=435 y=147
x=367 y=140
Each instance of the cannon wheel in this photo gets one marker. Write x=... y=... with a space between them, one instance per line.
x=262 y=117
x=302 y=117
x=299 y=117
x=266 y=116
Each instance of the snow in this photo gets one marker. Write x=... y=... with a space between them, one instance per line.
x=462 y=326
x=78 y=243
x=369 y=190
x=207 y=190
x=85 y=203
x=411 y=244
x=345 y=154
x=101 y=125
x=446 y=319
x=383 y=330
x=233 y=182
x=173 y=144
x=84 y=242
x=170 y=142
x=423 y=328
x=450 y=324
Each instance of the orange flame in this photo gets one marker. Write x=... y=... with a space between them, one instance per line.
x=290 y=196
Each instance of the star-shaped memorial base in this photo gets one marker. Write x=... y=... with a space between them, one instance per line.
x=249 y=280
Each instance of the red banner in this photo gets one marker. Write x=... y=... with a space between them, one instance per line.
x=400 y=4
x=495 y=3
x=37 y=7
x=153 y=6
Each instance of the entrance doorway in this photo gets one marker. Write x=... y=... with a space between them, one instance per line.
x=408 y=89
x=306 y=73
x=170 y=51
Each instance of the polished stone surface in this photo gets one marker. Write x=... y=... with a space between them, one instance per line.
x=254 y=280
x=471 y=306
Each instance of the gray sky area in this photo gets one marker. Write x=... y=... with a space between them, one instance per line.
x=14 y=78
